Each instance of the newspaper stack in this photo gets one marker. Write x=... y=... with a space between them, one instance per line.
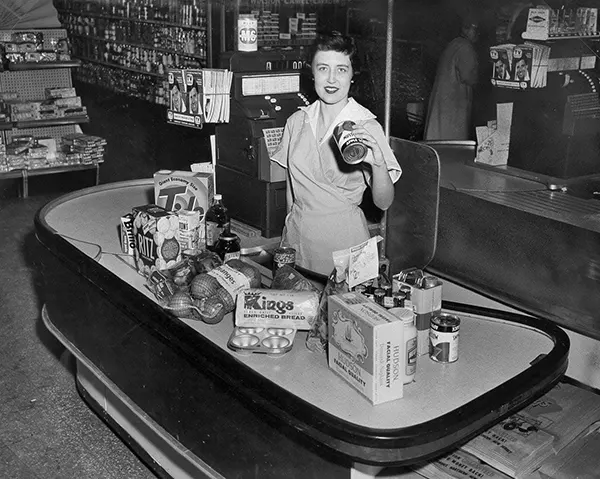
x=459 y=464
x=578 y=459
x=521 y=443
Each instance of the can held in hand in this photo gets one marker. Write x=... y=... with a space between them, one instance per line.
x=353 y=150
x=247 y=33
x=283 y=256
x=443 y=338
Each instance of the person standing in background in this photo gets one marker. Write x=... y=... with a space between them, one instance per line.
x=449 y=115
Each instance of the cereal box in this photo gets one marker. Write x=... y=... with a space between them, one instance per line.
x=156 y=246
x=366 y=346
x=185 y=190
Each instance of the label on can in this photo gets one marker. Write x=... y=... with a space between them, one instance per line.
x=352 y=148
x=247 y=33
x=443 y=338
x=283 y=256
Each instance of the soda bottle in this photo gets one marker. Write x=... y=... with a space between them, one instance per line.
x=217 y=221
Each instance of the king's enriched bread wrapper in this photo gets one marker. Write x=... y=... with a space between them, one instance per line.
x=265 y=308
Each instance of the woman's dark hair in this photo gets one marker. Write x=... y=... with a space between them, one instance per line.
x=335 y=41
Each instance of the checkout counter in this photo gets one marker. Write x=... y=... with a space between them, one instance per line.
x=193 y=408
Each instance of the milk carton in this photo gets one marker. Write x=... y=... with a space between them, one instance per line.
x=185 y=191
x=366 y=346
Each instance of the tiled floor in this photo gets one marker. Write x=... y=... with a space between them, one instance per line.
x=46 y=430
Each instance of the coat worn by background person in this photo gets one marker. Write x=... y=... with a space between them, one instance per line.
x=449 y=116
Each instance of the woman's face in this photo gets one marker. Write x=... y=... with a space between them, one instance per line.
x=333 y=75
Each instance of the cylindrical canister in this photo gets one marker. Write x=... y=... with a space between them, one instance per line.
x=410 y=342
x=352 y=149
x=283 y=256
x=443 y=338
x=247 y=33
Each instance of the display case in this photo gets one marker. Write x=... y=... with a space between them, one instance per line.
x=30 y=80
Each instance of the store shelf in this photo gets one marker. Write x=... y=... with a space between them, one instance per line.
x=547 y=38
x=24 y=175
x=27 y=66
x=72 y=120
x=104 y=16
x=141 y=45
x=122 y=67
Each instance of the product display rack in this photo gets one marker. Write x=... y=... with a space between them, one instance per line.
x=128 y=47
x=30 y=80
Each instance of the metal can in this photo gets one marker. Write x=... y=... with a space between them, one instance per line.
x=283 y=256
x=443 y=338
x=352 y=148
x=247 y=33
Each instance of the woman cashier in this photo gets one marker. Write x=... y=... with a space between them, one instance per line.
x=324 y=192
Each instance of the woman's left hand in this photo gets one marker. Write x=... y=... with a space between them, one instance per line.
x=376 y=159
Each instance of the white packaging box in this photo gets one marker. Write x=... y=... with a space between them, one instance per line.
x=366 y=346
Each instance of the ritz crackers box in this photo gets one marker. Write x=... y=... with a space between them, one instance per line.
x=155 y=231
x=366 y=346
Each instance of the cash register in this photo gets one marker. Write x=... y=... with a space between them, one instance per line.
x=267 y=88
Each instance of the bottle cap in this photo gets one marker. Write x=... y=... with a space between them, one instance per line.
x=217 y=197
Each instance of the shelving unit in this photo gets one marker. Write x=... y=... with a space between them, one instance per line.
x=30 y=80
x=128 y=47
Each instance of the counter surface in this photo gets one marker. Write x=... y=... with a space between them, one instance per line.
x=505 y=360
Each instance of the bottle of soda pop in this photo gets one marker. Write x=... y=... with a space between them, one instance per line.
x=217 y=221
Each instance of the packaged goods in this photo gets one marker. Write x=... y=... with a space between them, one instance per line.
x=354 y=266
x=217 y=221
x=183 y=190
x=65 y=92
x=366 y=346
x=276 y=308
x=204 y=261
x=352 y=148
x=228 y=246
x=283 y=256
x=286 y=277
x=317 y=337
x=155 y=232
x=215 y=292
x=189 y=230
x=425 y=298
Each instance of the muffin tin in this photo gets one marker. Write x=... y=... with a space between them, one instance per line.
x=271 y=341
